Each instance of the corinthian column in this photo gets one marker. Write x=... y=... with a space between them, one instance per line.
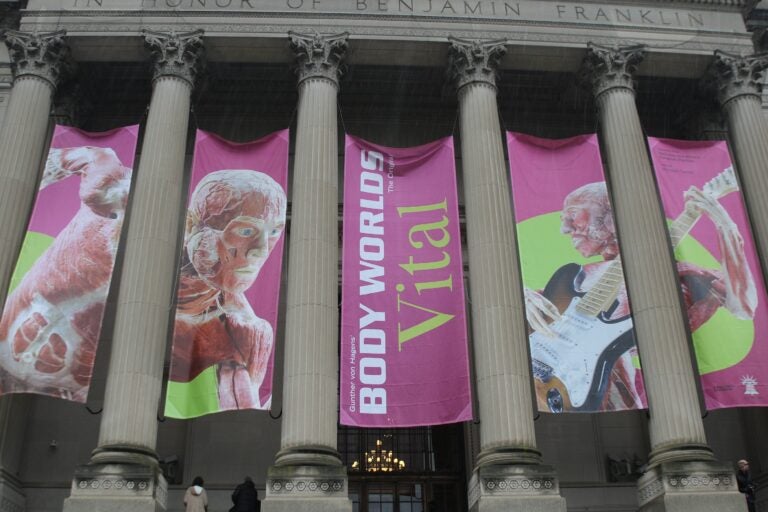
x=128 y=434
x=503 y=377
x=739 y=81
x=39 y=62
x=308 y=474
x=678 y=443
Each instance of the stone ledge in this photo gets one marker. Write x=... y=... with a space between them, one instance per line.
x=522 y=487
x=96 y=485
x=307 y=488
x=705 y=482
x=306 y=481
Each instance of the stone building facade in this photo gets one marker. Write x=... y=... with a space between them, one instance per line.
x=397 y=72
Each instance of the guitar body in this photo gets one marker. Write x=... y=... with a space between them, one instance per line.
x=572 y=369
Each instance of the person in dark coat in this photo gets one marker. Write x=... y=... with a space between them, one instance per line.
x=746 y=486
x=245 y=497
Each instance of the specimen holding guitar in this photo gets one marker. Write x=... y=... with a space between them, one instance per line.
x=572 y=363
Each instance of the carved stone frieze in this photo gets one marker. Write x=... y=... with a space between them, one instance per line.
x=649 y=491
x=684 y=483
x=176 y=54
x=108 y=484
x=115 y=484
x=306 y=487
x=474 y=61
x=495 y=481
x=737 y=75
x=518 y=485
x=611 y=67
x=319 y=56
x=529 y=32
x=43 y=55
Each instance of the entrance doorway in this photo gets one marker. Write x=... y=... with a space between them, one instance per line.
x=405 y=470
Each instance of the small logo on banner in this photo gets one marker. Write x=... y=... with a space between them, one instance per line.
x=749 y=383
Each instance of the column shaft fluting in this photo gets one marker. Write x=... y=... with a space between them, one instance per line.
x=311 y=360
x=499 y=339
x=676 y=428
x=310 y=392
x=147 y=282
x=39 y=61
x=651 y=279
x=748 y=128
x=739 y=83
x=498 y=318
x=22 y=142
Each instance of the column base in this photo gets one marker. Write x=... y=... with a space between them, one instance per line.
x=686 y=486
x=117 y=488
x=519 y=488
x=508 y=457
x=682 y=453
x=12 y=496
x=123 y=455
x=308 y=456
x=307 y=489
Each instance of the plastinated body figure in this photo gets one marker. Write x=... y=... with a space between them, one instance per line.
x=234 y=221
x=587 y=218
x=51 y=323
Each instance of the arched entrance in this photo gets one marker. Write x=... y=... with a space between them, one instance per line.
x=405 y=470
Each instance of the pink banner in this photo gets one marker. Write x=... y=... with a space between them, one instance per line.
x=404 y=355
x=720 y=276
x=52 y=318
x=584 y=357
x=229 y=283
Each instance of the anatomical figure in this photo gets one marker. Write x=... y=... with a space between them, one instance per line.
x=234 y=220
x=51 y=322
x=587 y=218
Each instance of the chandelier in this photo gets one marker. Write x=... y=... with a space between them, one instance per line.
x=379 y=460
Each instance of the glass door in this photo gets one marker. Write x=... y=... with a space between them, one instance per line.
x=381 y=497
x=410 y=496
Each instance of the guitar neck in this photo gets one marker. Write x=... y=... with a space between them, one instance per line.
x=603 y=293
x=601 y=296
x=681 y=226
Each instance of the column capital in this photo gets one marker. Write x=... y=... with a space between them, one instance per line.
x=737 y=75
x=43 y=55
x=475 y=61
x=611 y=67
x=176 y=54
x=319 y=56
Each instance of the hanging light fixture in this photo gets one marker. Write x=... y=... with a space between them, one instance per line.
x=379 y=460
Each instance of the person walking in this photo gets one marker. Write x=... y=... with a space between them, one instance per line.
x=245 y=497
x=196 y=499
x=746 y=486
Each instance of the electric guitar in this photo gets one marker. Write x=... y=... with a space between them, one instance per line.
x=572 y=368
